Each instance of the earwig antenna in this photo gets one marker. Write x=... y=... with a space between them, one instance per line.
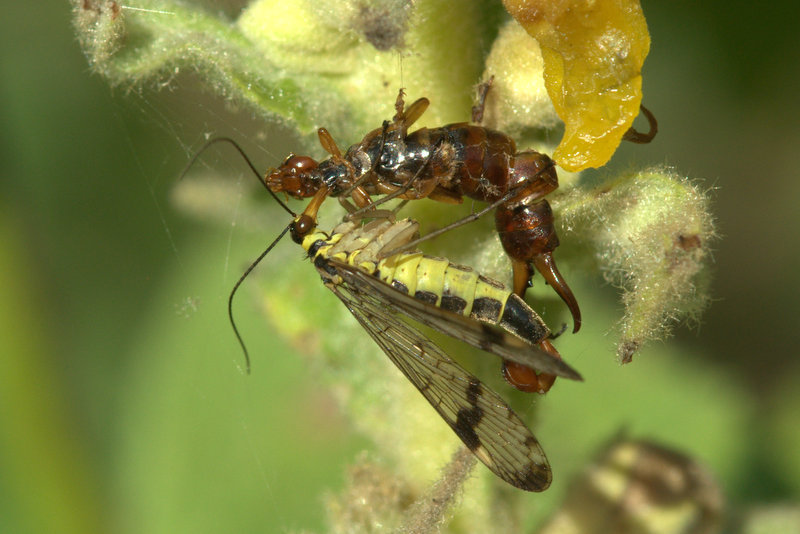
x=241 y=152
x=239 y=283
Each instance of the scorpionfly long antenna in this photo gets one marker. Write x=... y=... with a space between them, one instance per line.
x=255 y=263
x=472 y=217
x=239 y=283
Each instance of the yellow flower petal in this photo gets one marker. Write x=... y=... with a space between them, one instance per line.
x=593 y=54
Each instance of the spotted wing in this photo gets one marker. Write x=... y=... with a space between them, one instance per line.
x=478 y=416
x=480 y=335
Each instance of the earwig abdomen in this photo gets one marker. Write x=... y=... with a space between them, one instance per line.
x=528 y=235
x=486 y=156
x=526 y=230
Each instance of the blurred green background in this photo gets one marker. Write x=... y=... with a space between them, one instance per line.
x=123 y=406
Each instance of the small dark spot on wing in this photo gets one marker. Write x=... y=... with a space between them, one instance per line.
x=468 y=419
x=466 y=422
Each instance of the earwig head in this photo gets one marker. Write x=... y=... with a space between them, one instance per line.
x=295 y=177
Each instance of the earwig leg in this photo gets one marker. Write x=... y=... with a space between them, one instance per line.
x=356 y=191
x=367 y=175
x=348 y=206
x=483 y=90
x=366 y=210
x=637 y=137
x=327 y=142
x=359 y=196
x=423 y=188
x=390 y=196
x=402 y=120
x=356 y=215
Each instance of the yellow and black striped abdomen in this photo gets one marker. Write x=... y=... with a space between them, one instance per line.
x=435 y=281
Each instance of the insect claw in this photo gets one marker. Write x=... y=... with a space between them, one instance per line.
x=546 y=265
